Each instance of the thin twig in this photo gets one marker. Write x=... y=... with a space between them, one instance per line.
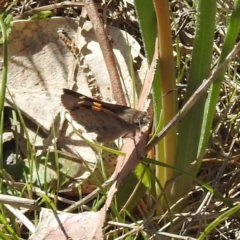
x=107 y=51
x=19 y=202
x=64 y=4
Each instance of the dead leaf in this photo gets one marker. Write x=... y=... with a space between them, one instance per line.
x=62 y=226
x=40 y=65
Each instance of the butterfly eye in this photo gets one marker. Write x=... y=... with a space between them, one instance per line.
x=142 y=119
x=145 y=118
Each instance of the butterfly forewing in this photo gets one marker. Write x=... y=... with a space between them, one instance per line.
x=124 y=112
x=99 y=117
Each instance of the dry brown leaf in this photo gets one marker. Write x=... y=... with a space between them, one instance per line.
x=61 y=226
x=40 y=65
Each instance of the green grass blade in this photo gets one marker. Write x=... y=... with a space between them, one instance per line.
x=148 y=26
x=218 y=220
x=140 y=178
x=4 y=82
x=147 y=17
x=231 y=36
x=188 y=174
x=190 y=127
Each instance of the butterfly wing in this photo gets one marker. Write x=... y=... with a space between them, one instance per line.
x=130 y=115
x=106 y=124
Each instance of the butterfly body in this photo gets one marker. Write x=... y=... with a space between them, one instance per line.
x=108 y=121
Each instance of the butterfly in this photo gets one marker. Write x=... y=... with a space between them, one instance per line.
x=108 y=121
